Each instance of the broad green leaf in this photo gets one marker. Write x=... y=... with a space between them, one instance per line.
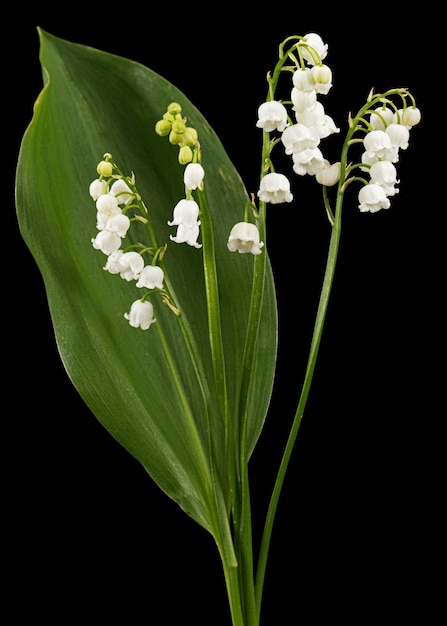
x=141 y=385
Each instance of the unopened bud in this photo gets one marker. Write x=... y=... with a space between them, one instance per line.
x=190 y=136
x=174 y=108
x=163 y=128
x=105 y=168
x=175 y=138
x=185 y=155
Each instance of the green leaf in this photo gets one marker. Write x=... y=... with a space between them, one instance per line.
x=141 y=385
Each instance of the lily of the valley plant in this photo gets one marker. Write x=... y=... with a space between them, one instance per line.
x=160 y=287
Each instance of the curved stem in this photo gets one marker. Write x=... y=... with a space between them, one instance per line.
x=318 y=329
x=313 y=353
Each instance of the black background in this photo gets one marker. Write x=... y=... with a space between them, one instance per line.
x=89 y=536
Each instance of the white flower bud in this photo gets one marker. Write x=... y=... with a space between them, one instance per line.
x=329 y=175
x=97 y=188
x=193 y=176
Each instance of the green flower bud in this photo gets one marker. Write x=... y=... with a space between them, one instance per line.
x=190 y=136
x=175 y=138
x=185 y=155
x=178 y=126
x=105 y=168
x=169 y=117
x=163 y=128
x=174 y=108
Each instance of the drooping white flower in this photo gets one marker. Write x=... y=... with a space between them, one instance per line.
x=193 y=176
x=377 y=145
x=381 y=117
x=113 y=262
x=187 y=234
x=317 y=119
x=308 y=161
x=316 y=42
x=299 y=137
x=372 y=198
x=411 y=116
x=329 y=175
x=118 y=223
x=272 y=116
x=141 y=314
x=275 y=188
x=302 y=100
x=399 y=135
x=106 y=241
x=107 y=204
x=131 y=264
x=121 y=191
x=302 y=79
x=185 y=212
x=244 y=237
x=97 y=188
x=322 y=77
x=384 y=173
x=151 y=276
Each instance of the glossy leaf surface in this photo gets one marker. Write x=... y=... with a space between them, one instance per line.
x=141 y=385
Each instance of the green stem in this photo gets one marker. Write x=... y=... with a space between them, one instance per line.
x=216 y=505
x=322 y=309
x=214 y=324
x=244 y=546
x=313 y=353
x=243 y=521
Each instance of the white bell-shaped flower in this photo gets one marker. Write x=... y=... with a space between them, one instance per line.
x=302 y=79
x=151 y=276
x=121 y=191
x=272 y=116
x=106 y=241
x=107 y=204
x=411 y=116
x=381 y=117
x=384 y=173
x=329 y=175
x=185 y=212
x=131 y=265
x=372 y=198
x=299 y=137
x=118 y=223
x=308 y=161
x=141 y=314
x=399 y=135
x=322 y=77
x=376 y=144
x=275 y=188
x=193 y=176
x=317 y=119
x=315 y=41
x=97 y=188
x=302 y=100
x=244 y=238
x=187 y=234
x=113 y=262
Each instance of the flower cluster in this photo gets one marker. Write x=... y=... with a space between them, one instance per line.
x=115 y=196
x=174 y=126
x=388 y=132
x=385 y=128
x=186 y=211
x=301 y=137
